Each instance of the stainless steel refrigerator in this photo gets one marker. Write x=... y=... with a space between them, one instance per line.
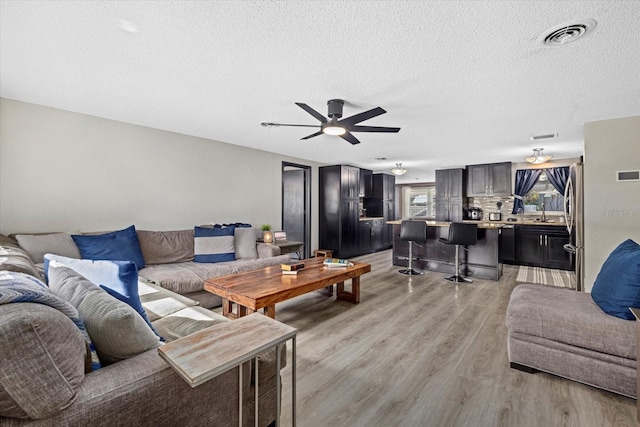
x=574 y=217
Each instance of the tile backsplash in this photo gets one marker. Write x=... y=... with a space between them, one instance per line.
x=488 y=205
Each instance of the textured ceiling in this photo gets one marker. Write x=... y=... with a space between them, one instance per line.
x=466 y=81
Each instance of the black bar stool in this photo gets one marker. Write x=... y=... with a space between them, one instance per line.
x=412 y=232
x=460 y=234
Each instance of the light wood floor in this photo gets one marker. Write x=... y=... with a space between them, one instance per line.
x=422 y=351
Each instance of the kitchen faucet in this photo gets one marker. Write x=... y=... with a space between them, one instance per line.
x=544 y=218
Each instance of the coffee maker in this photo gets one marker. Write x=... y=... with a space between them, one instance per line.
x=474 y=214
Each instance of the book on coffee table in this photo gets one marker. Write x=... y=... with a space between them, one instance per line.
x=292 y=266
x=337 y=263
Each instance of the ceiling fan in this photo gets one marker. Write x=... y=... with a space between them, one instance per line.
x=342 y=128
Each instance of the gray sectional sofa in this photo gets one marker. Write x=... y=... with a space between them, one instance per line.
x=168 y=257
x=43 y=379
x=565 y=333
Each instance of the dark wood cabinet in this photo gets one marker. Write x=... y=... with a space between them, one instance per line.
x=508 y=246
x=382 y=204
x=450 y=194
x=384 y=186
x=339 y=210
x=379 y=235
x=371 y=236
x=366 y=185
x=493 y=179
x=349 y=182
x=542 y=246
x=364 y=236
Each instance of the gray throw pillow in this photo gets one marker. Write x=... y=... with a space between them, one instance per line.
x=245 y=243
x=117 y=331
x=39 y=245
x=166 y=247
x=42 y=361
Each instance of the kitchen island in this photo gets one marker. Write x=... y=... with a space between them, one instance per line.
x=481 y=260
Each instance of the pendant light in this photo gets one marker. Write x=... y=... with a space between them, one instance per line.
x=398 y=170
x=538 y=157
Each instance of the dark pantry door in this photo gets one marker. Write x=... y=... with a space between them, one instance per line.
x=293 y=205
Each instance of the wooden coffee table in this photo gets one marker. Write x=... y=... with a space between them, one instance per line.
x=263 y=288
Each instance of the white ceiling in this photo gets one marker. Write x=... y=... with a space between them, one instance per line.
x=466 y=81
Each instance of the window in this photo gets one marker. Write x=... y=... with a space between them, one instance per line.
x=543 y=193
x=418 y=201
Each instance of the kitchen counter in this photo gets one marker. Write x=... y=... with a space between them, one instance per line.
x=431 y=223
x=488 y=224
x=370 y=218
x=553 y=222
x=481 y=260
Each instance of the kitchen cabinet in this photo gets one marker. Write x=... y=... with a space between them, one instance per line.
x=542 y=246
x=508 y=246
x=370 y=234
x=366 y=188
x=349 y=182
x=339 y=209
x=384 y=186
x=493 y=179
x=379 y=235
x=450 y=195
x=382 y=204
x=364 y=237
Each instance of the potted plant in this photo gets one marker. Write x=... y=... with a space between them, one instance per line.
x=267 y=235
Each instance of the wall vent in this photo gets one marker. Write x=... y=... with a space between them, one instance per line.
x=623 y=176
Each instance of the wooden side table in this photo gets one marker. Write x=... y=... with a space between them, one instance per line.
x=289 y=247
x=212 y=351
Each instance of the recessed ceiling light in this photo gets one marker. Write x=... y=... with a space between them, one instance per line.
x=128 y=26
x=567 y=32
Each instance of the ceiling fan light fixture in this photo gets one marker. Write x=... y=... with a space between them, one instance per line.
x=334 y=130
x=398 y=169
x=538 y=157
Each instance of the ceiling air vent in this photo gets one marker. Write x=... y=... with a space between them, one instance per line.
x=567 y=32
x=539 y=137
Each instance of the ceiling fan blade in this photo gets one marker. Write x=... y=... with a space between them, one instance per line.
x=273 y=124
x=361 y=117
x=312 y=135
x=350 y=138
x=373 y=129
x=311 y=111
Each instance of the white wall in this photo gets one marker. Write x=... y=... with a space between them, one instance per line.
x=63 y=171
x=612 y=209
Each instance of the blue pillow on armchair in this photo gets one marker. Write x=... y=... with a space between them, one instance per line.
x=118 y=278
x=122 y=245
x=617 y=286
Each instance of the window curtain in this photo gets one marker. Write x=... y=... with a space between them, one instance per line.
x=525 y=180
x=558 y=177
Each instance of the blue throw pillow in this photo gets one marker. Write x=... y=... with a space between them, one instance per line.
x=214 y=244
x=617 y=286
x=118 y=278
x=120 y=245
